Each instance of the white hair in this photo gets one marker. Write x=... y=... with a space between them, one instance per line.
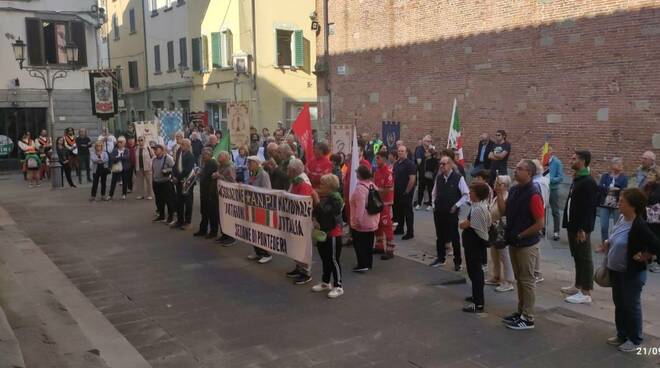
x=504 y=179
x=296 y=165
x=650 y=155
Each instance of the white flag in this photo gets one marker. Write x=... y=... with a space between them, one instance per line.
x=355 y=162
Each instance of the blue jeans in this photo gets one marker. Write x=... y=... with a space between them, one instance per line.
x=606 y=214
x=626 y=294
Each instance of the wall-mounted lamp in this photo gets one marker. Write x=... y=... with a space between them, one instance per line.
x=315 y=22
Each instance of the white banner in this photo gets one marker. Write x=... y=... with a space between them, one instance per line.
x=148 y=130
x=274 y=220
x=341 y=138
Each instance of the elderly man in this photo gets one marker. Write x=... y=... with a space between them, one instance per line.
x=208 y=196
x=481 y=161
x=173 y=146
x=404 y=187
x=226 y=172
x=648 y=165
x=184 y=163
x=300 y=185
x=161 y=166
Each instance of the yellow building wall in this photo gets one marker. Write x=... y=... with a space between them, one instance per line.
x=275 y=86
x=129 y=46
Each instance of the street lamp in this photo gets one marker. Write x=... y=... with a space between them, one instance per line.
x=48 y=74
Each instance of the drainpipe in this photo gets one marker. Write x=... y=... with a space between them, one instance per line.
x=254 y=46
x=326 y=57
x=147 y=103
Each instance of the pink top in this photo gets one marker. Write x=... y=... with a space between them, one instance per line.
x=361 y=220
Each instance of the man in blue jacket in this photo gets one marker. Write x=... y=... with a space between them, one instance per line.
x=556 y=175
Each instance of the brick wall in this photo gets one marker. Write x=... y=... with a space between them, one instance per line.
x=584 y=74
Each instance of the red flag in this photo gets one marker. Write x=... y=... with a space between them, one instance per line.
x=302 y=128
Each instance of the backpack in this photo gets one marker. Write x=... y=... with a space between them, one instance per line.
x=374 y=202
x=32 y=163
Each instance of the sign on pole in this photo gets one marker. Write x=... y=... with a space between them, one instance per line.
x=239 y=123
x=341 y=138
x=104 y=93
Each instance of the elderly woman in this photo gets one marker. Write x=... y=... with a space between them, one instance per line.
x=327 y=213
x=98 y=162
x=300 y=185
x=475 y=241
x=226 y=172
x=363 y=224
x=502 y=271
x=258 y=178
x=143 y=174
x=629 y=248
x=120 y=167
x=610 y=186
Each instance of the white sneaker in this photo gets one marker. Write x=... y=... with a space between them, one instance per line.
x=265 y=259
x=149 y=198
x=579 y=298
x=654 y=267
x=628 y=347
x=336 y=293
x=504 y=287
x=253 y=257
x=418 y=207
x=429 y=208
x=570 y=290
x=320 y=287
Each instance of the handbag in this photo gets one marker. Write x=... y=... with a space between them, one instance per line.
x=497 y=234
x=117 y=167
x=374 y=202
x=602 y=274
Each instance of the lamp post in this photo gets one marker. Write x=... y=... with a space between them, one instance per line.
x=49 y=74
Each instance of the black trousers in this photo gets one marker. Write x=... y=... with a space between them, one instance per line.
x=446 y=230
x=163 y=194
x=424 y=184
x=66 y=171
x=474 y=252
x=128 y=181
x=83 y=165
x=403 y=212
x=209 y=207
x=99 y=176
x=363 y=242
x=330 y=252
x=183 y=205
x=116 y=177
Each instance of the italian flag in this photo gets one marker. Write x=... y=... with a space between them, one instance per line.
x=264 y=217
x=455 y=141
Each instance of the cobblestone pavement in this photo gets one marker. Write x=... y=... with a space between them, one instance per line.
x=186 y=302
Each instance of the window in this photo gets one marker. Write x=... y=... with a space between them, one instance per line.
x=46 y=41
x=180 y=2
x=293 y=110
x=115 y=26
x=154 y=8
x=120 y=83
x=158 y=105
x=217 y=115
x=131 y=20
x=170 y=57
x=184 y=105
x=292 y=49
x=183 y=52
x=141 y=115
x=222 y=49
x=197 y=54
x=133 y=74
x=157 y=58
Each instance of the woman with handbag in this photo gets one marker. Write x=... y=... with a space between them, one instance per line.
x=120 y=168
x=501 y=268
x=629 y=248
x=98 y=162
x=610 y=186
x=475 y=241
x=63 y=154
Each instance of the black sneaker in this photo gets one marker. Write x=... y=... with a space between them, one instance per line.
x=407 y=237
x=226 y=240
x=520 y=324
x=398 y=232
x=473 y=308
x=302 y=279
x=199 y=233
x=360 y=269
x=458 y=268
x=511 y=317
x=438 y=263
x=387 y=256
x=293 y=274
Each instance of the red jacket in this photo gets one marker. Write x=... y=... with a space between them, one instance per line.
x=316 y=168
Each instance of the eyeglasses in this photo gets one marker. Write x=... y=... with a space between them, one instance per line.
x=442 y=163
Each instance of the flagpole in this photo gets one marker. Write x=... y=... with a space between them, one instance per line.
x=451 y=123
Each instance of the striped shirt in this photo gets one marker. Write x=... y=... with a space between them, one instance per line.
x=480 y=218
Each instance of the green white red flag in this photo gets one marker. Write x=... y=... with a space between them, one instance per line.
x=455 y=141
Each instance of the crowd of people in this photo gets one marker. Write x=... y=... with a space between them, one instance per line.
x=472 y=211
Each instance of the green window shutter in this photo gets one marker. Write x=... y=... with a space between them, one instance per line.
x=196 y=54
x=205 y=53
x=300 y=49
x=215 y=49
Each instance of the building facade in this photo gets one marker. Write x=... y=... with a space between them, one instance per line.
x=275 y=42
x=127 y=50
x=46 y=26
x=579 y=74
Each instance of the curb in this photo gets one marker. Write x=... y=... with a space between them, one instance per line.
x=10 y=349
